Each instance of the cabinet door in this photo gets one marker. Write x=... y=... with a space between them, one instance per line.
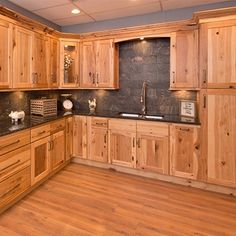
x=22 y=58
x=88 y=66
x=184 y=60
x=184 y=151
x=153 y=153
x=69 y=138
x=54 y=63
x=97 y=144
x=69 y=64
x=80 y=136
x=40 y=157
x=122 y=148
x=221 y=136
x=5 y=55
x=57 y=149
x=221 y=45
x=105 y=64
x=40 y=61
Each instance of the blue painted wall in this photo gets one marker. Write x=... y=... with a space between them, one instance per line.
x=159 y=17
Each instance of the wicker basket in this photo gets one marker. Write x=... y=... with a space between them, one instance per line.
x=43 y=107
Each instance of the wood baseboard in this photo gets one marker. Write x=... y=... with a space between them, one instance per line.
x=167 y=178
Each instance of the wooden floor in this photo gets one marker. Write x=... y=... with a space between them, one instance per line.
x=84 y=200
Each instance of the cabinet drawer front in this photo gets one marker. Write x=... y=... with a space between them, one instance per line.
x=11 y=142
x=99 y=122
x=14 y=186
x=40 y=132
x=58 y=125
x=14 y=161
x=153 y=128
x=122 y=124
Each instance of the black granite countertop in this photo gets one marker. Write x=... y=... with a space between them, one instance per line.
x=6 y=126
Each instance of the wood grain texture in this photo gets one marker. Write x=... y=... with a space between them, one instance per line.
x=88 y=201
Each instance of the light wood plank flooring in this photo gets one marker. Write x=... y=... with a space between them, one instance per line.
x=83 y=200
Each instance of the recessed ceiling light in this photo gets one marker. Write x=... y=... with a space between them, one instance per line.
x=142 y=38
x=75 y=11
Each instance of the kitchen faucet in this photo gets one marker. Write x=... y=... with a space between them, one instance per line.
x=143 y=98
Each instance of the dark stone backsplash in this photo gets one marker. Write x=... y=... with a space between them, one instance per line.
x=147 y=60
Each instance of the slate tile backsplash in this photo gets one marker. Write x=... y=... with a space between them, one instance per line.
x=147 y=60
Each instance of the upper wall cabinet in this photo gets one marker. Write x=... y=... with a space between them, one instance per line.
x=54 y=63
x=22 y=57
x=218 y=54
x=40 y=60
x=184 y=60
x=30 y=59
x=5 y=54
x=98 y=64
x=69 y=64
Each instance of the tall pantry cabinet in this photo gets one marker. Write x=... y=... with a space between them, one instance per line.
x=218 y=100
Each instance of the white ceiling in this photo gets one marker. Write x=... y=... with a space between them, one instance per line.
x=59 y=11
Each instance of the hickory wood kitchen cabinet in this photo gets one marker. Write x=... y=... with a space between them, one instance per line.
x=15 y=160
x=80 y=136
x=47 y=149
x=219 y=129
x=5 y=54
x=98 y=64
x=69 y=138
x=218 y=57
x=97 y=136
x=153 y=146
x=69 y=63
x=54 y=63
x=184 y=60
x=122 y=142
x=184 y=151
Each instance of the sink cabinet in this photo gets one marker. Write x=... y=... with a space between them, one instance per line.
x=153 y=146
x=122 y=142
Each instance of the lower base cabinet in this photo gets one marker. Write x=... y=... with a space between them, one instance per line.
x=97 y=139
x=57 y=149
x=184 y=151
x=40 y=159
x=122 y=142
x=80 y=136
x=69 y=138
x=14 y=186
x=153 y=147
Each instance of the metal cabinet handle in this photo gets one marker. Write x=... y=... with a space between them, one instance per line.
x=134 y=142
x=9 y=191
x=105 y=138
x=10 y=144
x=173 y=77
x=138 y=142
x=42 y=132
x=5 y=168
x=185 y=129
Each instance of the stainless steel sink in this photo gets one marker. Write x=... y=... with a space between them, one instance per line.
x=131 y=115
x=135 y=115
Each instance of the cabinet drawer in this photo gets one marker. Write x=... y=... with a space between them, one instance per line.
x=14 y=161
x=150 y=127
x=40 y=132
x=57 y=125
x=99 y=122
x=14 y=186
x=11 y=142
x=122 y=124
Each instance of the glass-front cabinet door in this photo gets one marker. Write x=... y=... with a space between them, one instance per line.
x=69 y=64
